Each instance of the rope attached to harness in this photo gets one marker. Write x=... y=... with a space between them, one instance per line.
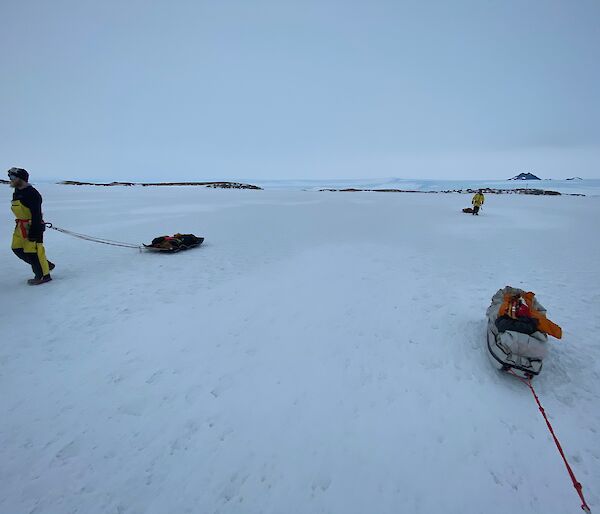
x=578 y=487
x=94 y=239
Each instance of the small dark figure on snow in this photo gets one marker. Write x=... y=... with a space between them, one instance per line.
x=477 y=202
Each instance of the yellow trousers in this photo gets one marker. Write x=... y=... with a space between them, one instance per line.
x=31 y=252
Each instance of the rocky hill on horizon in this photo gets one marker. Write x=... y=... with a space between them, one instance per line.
x=525 y=176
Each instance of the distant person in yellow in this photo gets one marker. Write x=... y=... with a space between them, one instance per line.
x=28 y=237
x=477 y=201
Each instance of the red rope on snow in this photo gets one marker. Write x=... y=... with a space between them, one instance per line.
x=578 y=487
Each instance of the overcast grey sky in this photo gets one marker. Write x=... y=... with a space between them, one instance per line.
x=177 y=90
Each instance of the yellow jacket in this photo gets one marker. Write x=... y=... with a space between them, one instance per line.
x=478 y=199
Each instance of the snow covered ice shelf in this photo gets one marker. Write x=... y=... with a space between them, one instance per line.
x=321 y=352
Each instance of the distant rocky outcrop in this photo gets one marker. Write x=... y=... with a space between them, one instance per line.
x=232 y=185
x=486 y=190
x=2 y=181
x=525 y=176
x=575 y=178
x=355 y=190
x=77 y=183
x=223 y=185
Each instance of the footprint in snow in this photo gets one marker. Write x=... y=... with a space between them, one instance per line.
x=68 y=451
x=322 y=483
x=155 y=376
x=224 y=384
x=133 y=408
x=192 y=394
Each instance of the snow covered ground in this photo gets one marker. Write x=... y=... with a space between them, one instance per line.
x=320 y=353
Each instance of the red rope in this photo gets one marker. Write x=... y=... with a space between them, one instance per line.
x=578 y=487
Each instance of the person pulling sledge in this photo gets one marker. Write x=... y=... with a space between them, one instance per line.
x=28 y=237
x=477 y=202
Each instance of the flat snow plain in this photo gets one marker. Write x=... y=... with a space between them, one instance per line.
x=321 y=353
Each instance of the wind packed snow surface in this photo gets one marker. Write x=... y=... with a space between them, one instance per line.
x=320 y=353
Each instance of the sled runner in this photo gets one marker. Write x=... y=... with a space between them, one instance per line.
x=175 y=243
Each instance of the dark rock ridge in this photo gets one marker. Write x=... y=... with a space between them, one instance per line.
x=223 y=185
x=575 y=178
x=77 y=183
x=486 y=190
x=525 y=176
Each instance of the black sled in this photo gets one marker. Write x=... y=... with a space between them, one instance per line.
x=175 y=243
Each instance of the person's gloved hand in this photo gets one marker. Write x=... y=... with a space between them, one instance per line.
x=34 y=238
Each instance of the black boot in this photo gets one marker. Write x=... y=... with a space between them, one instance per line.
x=41 y=280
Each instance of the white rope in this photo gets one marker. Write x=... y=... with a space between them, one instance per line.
x=94 y=239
